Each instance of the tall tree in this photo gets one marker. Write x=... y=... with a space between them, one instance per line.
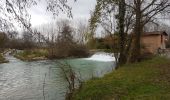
x=17 y=11
x=121 y=26
x=145 y=11
x=106 y=12
x=132 y=15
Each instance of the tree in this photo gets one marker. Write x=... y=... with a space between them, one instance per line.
x=106 y=12
x=12 y=34
x=65 y=40
x=121 y=25
x=144 y=11
x=131 y=16
x=82 y=31
x=28 y=40
x=17 y=10
x=3 y=39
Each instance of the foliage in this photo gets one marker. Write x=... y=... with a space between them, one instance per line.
x=147 y=80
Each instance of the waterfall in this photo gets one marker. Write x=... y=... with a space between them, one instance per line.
x=102 y=56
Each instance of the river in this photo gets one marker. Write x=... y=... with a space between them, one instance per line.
x=24 y=80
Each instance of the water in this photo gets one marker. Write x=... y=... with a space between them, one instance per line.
x=24 y=80
x=102 y=56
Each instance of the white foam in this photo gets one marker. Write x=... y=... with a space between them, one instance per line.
x=102 y=56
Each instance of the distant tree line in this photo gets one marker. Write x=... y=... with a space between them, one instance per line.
x=60 y=40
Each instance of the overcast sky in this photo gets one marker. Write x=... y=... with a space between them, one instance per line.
x=80 y=9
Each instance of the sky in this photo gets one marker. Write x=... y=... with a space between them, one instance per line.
x=80 y=10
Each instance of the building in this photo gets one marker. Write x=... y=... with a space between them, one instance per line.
x=151 y=42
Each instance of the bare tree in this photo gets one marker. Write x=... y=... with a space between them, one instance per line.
x=144 y=11
x=157 y=26
x=12 y=34
x=28 y=40
x=65 y=41
x=82 y=32
x=132 y=15
x=3 y=40
x=17 y=11
x=112 y=15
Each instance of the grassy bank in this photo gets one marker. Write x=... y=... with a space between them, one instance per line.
x=148 y=80
x=2 y=59
x=43 y=54
x=32 y=55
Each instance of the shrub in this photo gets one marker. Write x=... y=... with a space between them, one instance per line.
x=79 y=51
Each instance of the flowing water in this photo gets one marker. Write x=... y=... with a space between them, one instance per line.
x=24 y=80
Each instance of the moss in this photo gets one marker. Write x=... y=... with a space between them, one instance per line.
x=147 y=80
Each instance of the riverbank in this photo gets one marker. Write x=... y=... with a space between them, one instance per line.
x=147 y=80
x=32 y=55
x=2 y=59
x=44 y=54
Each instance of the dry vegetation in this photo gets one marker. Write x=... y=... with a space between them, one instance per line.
x=2 y=59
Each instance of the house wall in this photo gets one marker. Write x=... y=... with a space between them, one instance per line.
x=151 y=43
x=165 y=38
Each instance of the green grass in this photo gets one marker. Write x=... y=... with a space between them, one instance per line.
x=29 y=55
x=148 y=80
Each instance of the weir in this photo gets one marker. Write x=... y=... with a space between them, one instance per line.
x=102 y=56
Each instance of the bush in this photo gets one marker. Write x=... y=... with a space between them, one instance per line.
x=62 y=51
x=79 y=51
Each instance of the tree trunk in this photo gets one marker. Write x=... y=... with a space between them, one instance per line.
x=122 y=9
x=136 y=49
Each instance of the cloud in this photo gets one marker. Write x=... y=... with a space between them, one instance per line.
x=80 y=9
